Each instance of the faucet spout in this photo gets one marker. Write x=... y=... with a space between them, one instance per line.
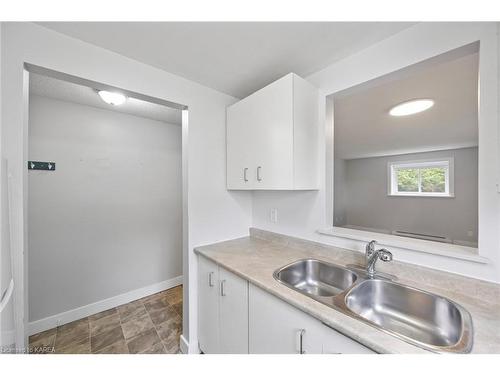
x=372 y=255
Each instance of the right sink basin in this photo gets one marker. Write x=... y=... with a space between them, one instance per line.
x=423 y=318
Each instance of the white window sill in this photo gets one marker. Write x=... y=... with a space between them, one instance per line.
x=422 y=195
x=412 y=244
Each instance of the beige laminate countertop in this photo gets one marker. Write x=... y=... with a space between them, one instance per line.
x=255 y=258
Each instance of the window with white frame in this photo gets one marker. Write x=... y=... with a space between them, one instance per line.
x=423 y=178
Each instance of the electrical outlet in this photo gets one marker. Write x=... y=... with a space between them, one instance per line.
x=274 y=215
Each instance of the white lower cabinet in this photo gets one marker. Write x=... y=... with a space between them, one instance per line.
x=277 y=327
x=233 y=313
x=222 y=310
x=237 y=317
x=336 y=343
x=208 y=306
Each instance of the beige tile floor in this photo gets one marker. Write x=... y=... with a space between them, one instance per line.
x=152 y=324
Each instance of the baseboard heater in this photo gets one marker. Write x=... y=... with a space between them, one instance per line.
x=422 y=236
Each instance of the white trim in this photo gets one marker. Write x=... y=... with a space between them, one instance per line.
x=465 y=243
x=327 y=108
x=187 y=347
x=7 y=297
x=183 y=345
x=96 y=307
x=447 y=163
x=423 y=195
x=406 y=243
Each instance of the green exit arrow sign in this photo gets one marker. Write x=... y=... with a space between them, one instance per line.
x=42 y=165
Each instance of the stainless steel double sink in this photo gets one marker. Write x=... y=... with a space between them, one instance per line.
x=418 y=317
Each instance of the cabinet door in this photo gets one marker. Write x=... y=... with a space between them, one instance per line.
x=272 y=125
x=233 y=312
x=277 y=327
x=208 y=306
x=336 y=343
x=239 y=143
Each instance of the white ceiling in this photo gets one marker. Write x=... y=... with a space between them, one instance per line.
x=236 y=58
x=364 y=128
x=58 y=89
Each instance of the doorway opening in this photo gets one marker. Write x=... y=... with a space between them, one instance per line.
x=105 y=218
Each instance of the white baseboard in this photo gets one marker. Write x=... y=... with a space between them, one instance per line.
x=184 y=345
x=188 y=348
x=96 y=307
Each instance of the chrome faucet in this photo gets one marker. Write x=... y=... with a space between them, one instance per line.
x=372 y=255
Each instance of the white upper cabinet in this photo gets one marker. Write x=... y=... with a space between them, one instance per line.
x=272 y=138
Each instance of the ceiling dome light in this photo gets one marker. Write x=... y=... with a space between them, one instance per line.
x=411 y=107
x=113 y=98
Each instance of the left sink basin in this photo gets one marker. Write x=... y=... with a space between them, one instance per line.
x=315 y=277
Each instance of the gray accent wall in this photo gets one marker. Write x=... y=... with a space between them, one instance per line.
x=361 y=197
x=108 y=220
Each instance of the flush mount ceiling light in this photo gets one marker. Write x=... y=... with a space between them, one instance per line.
x=113 y=98
x=411 y=107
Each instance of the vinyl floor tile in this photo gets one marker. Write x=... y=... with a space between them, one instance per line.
x=150 y=325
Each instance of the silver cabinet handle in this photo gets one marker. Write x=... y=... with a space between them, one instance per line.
x=301 y=334
x=210 y=279
x=223 y=288
x=245 y=178
x=259 y=178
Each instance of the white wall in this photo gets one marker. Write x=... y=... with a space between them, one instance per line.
x=3 y=180
x=301 y=214
x=108 y=220
x=213 y=213
x=366 y=202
